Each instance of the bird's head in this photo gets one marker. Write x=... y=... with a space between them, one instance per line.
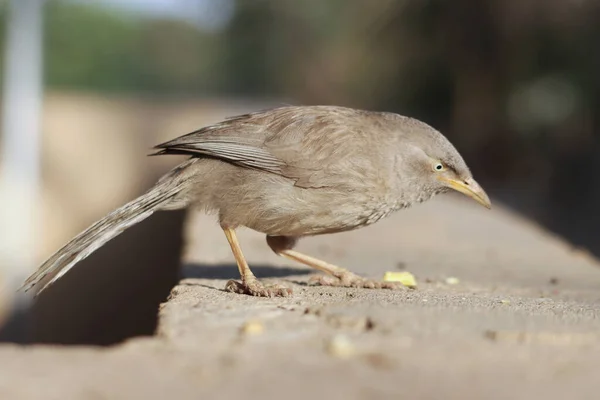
x=437 y=164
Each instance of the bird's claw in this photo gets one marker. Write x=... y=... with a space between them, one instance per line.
x=349 y=279
x=254 y=287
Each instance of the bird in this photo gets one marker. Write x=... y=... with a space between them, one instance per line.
x=289 y=172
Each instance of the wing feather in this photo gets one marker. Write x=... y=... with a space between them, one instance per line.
x=314 y=145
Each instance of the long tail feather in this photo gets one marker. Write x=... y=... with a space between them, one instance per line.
x=107 y=228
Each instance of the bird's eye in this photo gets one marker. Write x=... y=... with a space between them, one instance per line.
x=438 y=167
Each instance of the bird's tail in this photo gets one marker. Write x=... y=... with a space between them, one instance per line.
x=108 y=227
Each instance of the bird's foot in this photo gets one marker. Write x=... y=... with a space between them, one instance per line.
x=349 y=279
x=254 y=287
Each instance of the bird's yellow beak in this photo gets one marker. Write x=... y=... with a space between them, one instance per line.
x=469 y=188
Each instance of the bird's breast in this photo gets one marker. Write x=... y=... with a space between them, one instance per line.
x=382 y=210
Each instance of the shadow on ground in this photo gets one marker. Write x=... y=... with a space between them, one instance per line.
x=230 y=271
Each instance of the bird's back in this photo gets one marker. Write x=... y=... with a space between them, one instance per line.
x=316 y=146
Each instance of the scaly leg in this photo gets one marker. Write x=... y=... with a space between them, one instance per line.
x=249 y=285
x=283 y=245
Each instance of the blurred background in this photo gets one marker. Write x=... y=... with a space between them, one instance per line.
x=514 y=85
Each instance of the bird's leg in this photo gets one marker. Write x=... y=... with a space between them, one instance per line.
x=249 y=285
x=337 y=276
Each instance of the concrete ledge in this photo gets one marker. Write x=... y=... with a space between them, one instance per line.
x=521 y=323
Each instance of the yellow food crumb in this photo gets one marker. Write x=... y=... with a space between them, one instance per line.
x=451 y=280
x=405 y=278
x=252 y=328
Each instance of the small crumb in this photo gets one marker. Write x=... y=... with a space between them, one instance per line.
x=452 y=280
x=405 y=278
x=370 y=324
x=348 y=322
x=287 y=308
x=553 y=281
x=401 y=265
x=252 y=328
x=378 y=361
x=313 y=311
x=490 y=334
x=341 y=347
x=504 y=301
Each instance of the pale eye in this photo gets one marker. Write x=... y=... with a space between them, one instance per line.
x=438 y=167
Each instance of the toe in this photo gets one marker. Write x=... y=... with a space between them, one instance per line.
x=249 y=288
x=283 y=292
x=348 y=279
x=256 y=288
x=322 y=280
x=259 y=290
x=370 y=285
x=235 y=287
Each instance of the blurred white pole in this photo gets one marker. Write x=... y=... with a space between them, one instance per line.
x=20 y=156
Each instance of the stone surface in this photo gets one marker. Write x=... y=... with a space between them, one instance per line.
x=520 y=321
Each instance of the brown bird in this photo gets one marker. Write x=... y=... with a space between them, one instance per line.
x=291 y=172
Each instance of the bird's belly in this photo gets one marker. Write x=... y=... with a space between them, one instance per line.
x=304 y=212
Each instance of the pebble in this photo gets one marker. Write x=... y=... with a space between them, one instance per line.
x=340 y=346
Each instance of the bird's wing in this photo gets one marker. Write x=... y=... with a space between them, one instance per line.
x=228 y=149
x=236 y=140
x=311 y=145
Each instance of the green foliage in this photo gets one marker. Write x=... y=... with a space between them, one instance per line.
x=89 y=47
x=95 y=48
